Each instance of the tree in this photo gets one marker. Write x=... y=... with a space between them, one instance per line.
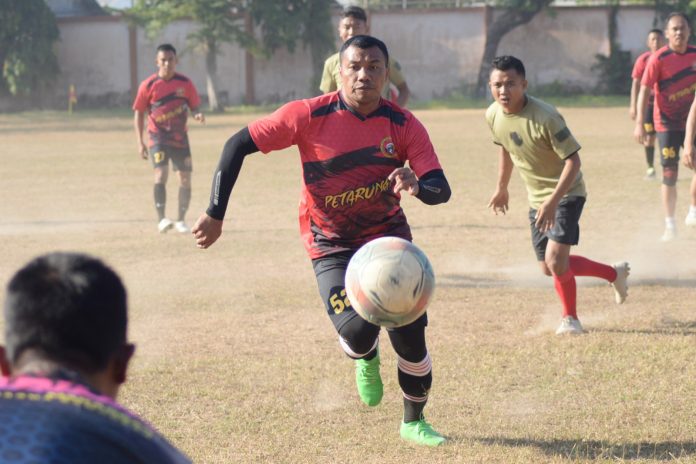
x=508 y=14
x=28 y=31
x=282 y=24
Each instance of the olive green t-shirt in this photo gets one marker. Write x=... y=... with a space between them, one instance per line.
x=538 y=141
x=331 y=77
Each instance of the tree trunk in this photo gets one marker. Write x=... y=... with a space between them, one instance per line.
x=495 y=31
x=211 y=82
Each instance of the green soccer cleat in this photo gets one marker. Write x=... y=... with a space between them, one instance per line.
x=370 y=386
x=421 y=433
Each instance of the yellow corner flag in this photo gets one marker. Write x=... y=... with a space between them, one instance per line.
x=72 y=98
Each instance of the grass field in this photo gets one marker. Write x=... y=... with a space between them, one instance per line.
x=237 y=361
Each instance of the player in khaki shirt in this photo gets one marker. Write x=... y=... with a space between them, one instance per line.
x=533 y=137
x=354 y=22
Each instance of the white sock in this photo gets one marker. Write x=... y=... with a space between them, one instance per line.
x=670 y=223
x=692 y=210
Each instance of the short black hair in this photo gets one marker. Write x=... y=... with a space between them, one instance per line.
x=677 y=13
x=660 y=32
x=354 y=12
x=69 y=307
x=364 y=42
x=166 y=48
x=507 y=62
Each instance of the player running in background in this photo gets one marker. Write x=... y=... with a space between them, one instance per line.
x=167 y=97
x=65 y=358
x=671 y=74
x=353 y=147
x=354 y=22
x=534 y=137
x=655 y=40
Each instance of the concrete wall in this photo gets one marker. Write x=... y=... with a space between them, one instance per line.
x=439 y=50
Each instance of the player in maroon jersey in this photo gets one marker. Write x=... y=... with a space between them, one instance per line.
x=167 y=97
x=671 y=74
x=353 y=147
x=655 y=40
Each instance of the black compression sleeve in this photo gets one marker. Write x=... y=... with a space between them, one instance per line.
x=236 y=148
x=433 y=188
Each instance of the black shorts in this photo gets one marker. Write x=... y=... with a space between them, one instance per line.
x=331 y=274
x=648 y=124
x=670 y=142
x=181 y=157
x=565 y=230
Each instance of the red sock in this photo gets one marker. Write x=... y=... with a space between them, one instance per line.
x=584 y=267
x=565 y=287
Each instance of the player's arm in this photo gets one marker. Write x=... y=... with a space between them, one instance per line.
x=546 y=214
x=198 y=115
x=139 y=124
x=499 y=200
x=404 y=94
x=208 y=227
x=688 y=155
x=432 y=188
x=635 y=87
x=641 y=106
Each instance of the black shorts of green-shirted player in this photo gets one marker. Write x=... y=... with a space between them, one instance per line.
x=358 y=337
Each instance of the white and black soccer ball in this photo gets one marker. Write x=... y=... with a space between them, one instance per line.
x=389 y=282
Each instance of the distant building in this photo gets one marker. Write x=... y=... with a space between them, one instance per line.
x=72 y=8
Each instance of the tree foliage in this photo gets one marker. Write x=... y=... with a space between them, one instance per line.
x=508 y=14
x=28 y=31
x=283 y=23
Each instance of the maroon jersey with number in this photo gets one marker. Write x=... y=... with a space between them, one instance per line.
x=347 y=198
x=672 y=76
x=167 y=103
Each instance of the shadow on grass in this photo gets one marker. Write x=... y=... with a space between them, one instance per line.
x=667 y=326
x=593 y=449
x=664 y=282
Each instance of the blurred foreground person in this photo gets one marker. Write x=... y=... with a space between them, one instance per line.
x=64 y=359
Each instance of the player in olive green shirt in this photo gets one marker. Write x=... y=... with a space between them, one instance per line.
x=354 y=22
x=534 y=137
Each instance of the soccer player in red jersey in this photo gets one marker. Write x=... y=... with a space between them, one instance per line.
x=64 y=360
x=671 y=74
x=353 y=146
x=167 y=97
x=656 y=40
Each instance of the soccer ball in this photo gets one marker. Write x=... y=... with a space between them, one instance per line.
x=389 y=282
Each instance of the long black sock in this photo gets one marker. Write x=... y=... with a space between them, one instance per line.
x=413 y=411
x=160 y=199
x=650 y=155
x=184 y=200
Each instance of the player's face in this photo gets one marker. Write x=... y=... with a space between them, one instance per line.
x=349 y=27
x=655 y=41
x=508 y=89
x=363 y=75
x=166 y=63
x=677 y=33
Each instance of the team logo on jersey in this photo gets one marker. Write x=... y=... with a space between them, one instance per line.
x=180 y=92
x=516 y=138
x=387 y=148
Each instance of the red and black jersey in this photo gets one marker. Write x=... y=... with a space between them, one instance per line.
x=347 y=199
x=167 y=103
x=639 y=69
x=672 y=76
